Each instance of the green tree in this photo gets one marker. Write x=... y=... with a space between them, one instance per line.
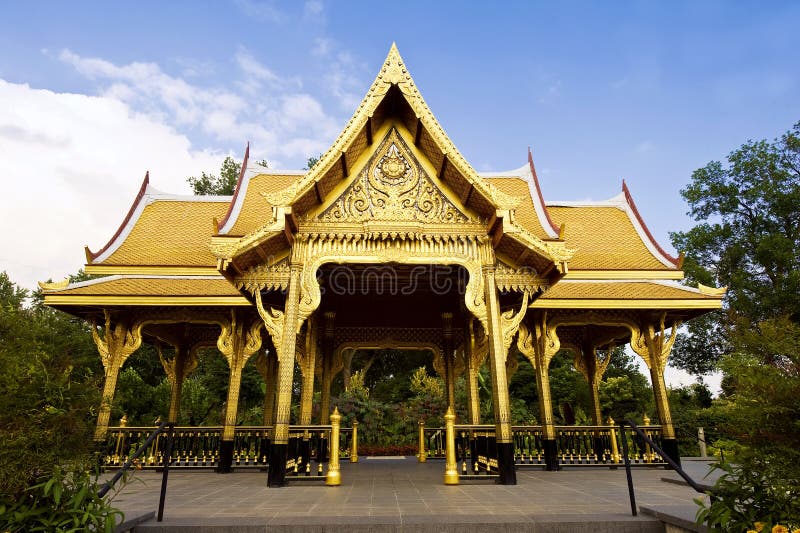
x=49 y=388
x=748 y=239
x=312 y=161
x=223 y=184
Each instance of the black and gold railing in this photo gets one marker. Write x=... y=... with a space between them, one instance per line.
x=198 y=448
x=577 y=446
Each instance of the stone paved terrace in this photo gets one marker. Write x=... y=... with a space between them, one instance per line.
x=402 y=495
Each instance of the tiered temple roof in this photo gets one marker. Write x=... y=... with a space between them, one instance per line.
x=167 y=248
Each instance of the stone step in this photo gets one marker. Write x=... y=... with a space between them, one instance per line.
x=408 y=524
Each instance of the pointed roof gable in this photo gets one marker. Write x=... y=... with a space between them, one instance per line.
x=392 y=93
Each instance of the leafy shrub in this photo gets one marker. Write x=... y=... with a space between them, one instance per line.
x=66 y=501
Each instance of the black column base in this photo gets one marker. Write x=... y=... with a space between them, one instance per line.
x=304 y=455
x=505 y=464
x=550 y=449
x=276 y=477
x=225 y=457
x=323 y=450
x=599 y=449
x=670 y=447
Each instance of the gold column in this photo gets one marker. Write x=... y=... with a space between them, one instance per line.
x=286 y=355
x=654 y=347
x=592 y=367
x=539 y=346
x=354 y=444
x=334 y=476
x=267 y=365
x=328 y=367
x=237 y=341
x=447 y=355
x=422 y=456
x=451 y=467
x=497 y=360
x=307 y=361
x=116 y=345
x=500 y=330
x=474 y=356
x=177 y=369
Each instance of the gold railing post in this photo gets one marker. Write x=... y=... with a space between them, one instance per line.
x=614 y=447
x=334 y=477
x=422 y=456
x=354 y=444
x=451 y=467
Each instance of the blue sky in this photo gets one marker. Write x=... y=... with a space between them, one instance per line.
x=96 y=93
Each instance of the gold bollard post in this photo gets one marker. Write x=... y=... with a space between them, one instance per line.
x=334 y=477
x=614 y=447
x=422 y=456
x=451 y=467
x=354 y=444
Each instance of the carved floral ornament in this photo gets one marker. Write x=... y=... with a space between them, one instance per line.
x=393 y=187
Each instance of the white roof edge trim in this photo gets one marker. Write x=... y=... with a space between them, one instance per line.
x=116 y=277
x=237 y=205
x=90 y=282
x=665 y=282
x=525 y=173
x=617 y=201
x=255 y=170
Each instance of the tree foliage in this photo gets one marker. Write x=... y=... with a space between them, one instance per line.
x=223 y=184
x=747 y=239
x=49 y=389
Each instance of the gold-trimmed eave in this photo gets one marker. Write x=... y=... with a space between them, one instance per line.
x=630 y=275
x=152 y=270
x=142 y=290
x=629 y=294
x=393 y=74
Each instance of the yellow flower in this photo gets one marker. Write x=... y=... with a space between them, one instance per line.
x=751 y=531
x=780 y=529
x=759 y=526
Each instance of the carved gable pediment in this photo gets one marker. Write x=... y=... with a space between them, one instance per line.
x=393 y=186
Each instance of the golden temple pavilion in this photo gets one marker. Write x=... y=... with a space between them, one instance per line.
x=391 y=240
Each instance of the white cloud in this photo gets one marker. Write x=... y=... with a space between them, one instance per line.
x=71 y=166
x=261 y=105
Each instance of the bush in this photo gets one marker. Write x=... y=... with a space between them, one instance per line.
x=65 y=501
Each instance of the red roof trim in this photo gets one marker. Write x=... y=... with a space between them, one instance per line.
x=539 y=191
x=238 y=187
x=94 y=255
x=632 y=204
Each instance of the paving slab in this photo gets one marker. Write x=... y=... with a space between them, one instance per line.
x=403 y=495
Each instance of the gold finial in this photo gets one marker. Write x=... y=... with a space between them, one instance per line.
x=54 y=285
x=123 y=422
x=610 y=421
x=712 y=291
x=646 y=419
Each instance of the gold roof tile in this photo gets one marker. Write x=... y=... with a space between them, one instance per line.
x=605 y=239
x=152 y=286
x=525 y=214
x=252 y=214
x=170 y=233
x=632 y=290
